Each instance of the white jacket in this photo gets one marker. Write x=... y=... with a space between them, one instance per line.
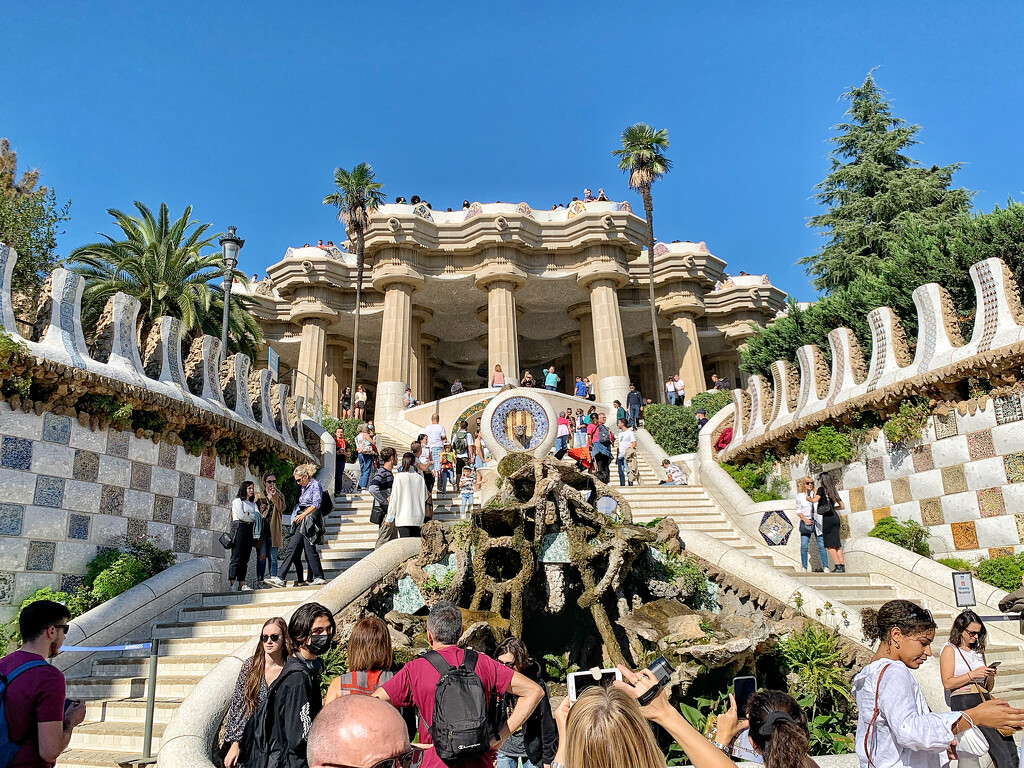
x=408 y=505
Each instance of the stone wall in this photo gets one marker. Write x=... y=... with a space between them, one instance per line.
x=964 y=480
x=69 y=491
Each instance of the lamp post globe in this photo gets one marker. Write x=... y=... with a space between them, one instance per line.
x=230 y=245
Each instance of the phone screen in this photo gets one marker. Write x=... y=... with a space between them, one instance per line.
x=578 y=682
x=743 y=688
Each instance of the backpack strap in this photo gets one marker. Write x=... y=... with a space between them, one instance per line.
x=7 y=679
x=469 y=659
x=437 y=662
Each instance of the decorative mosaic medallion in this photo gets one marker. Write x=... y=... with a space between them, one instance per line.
x=519 y=424
x=775 y=528
x=945 y=426
x=1008 y=409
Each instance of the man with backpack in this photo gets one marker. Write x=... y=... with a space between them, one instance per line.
x=601 y=449
x=461 y=441
x=451 y=688
x=35 y=720
x=275 y=736
x=380 y=490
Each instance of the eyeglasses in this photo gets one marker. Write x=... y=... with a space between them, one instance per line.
x=270 y=638
x=809 y=484
x=509 y=664
x=409 y=759
x=65 y=627
x=271 y=480
x=972 y=634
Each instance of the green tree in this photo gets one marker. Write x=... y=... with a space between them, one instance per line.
x=30 y=221
x=357 y=198
x=642 y=156
x=161 y=263
x=873 y=189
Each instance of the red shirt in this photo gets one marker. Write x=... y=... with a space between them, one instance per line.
x=35 y=696
x=415 y=683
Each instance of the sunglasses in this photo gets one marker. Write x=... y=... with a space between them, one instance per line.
x=406 y=760
x=270 y=638
x=270 y=480
x=972 y=634
x=65 y=627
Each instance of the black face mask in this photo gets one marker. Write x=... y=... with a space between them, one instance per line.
x=319 y=644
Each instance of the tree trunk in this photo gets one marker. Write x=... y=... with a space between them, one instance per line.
x=360 y=265
x=649 y=213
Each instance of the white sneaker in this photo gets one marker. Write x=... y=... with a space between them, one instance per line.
x=317 y=582
x=245 y=588
x=273 y=581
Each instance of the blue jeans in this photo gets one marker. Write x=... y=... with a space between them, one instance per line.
x=446 y=476
x=467 y=503
x=634 y=416
x=266 y=555
x=620 y=462
x=805 y=542
x=549 y=387
x=561 y=443
x=672 y=399
x=504 y=761
x=365 y=467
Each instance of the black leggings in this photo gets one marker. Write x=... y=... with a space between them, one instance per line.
x=293 y=556
x=1001 y=749
x=241 y=552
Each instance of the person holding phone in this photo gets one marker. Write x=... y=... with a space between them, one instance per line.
x=810 y=521
x=776 y=726
x=968 y=679
x=605 y=728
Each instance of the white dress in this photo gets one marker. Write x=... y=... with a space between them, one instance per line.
x=906 y=732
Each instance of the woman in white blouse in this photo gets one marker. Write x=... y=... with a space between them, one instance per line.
x=407 y=509
x=965 y=674
x=247 y=523
x=810 y=521
x=894 y=725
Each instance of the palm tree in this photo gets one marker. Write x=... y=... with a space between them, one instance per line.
x=357 y=198
x=161 y=264
x=642 y=157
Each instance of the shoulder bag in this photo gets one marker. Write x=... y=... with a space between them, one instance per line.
x=227 y=539
x=985 y=695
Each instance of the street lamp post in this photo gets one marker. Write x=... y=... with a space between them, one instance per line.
x=230 y=245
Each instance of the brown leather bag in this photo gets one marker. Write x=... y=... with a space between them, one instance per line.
x=982 y=692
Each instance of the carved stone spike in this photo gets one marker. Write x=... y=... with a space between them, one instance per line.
x=256 y=396
x=44 y=307
x=151 y=359
x=101 y=341
x=195 y=367
x=227 y=382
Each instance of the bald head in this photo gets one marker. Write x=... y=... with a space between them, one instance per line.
x=359 y=731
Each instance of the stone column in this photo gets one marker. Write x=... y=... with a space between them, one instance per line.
x=682 y=309
x=588 y=356
x=604 y=278
x=571 y=341
x=397 y=282
x=420 y=315
x=501 y=281
x=428 y=367
x=313 y=316
x=334 y=381
x=668 y=362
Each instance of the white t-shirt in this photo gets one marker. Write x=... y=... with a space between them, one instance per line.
x=624 y=440
x=670 y=387
x=680 y=387
x=435 y=436
x=243 y=511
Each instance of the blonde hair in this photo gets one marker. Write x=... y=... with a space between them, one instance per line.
x=606 y=729
x=305 y=470
x=803 y=481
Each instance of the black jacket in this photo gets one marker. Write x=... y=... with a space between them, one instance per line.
x=634 y=398
x=539 y=734
x=297 y=701
x=380 y=489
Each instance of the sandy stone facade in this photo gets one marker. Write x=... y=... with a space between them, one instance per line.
x=450 y=295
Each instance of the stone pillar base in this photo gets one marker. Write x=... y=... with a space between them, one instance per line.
x=387 y=402
x=613 y=388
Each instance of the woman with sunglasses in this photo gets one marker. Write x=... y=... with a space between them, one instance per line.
x=810 y=521
x=258 y=672
x=535 y=743
x=968 y=680
x=270 y=502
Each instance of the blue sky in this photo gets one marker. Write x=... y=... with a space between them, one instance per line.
x=243 y=109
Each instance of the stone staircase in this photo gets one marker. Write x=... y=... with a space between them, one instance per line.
x=194 y=640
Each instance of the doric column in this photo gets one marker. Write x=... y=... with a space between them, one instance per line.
x=313 y=316
x=397 y=282
x=428 y=367
x=420 y=315
x=682 y=309
x=588 y=356
x=604 y=277
x=571 y=341
x=334 y=381
x=501 y=281
x=668 y=362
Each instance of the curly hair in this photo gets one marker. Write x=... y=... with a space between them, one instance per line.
x=910 y=618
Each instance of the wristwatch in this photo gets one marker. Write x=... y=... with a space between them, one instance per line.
x=556 y=764
x=720 y=746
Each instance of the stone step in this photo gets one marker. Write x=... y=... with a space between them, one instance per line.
x=130 y=710
x=262 y=611
x=130 y=687
x=257 y=596
x=241 y=628
x=124 y=737
x=90 y=758
x=167 y=666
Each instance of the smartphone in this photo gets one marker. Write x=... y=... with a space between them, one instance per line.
x=995 y=664
x=578 y=682
x=662 y=670
x=743 y=688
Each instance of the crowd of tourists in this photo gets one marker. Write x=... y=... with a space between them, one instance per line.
x=453 y=706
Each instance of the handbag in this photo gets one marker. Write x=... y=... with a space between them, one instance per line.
x=227 y=540
x=806 y=529
x=983 y=694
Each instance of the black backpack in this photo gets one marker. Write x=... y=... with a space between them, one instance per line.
x=460 y=728
x=326 y=504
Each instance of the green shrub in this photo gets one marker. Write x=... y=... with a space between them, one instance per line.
x=956 y=563
x=266 y=461
x=334 y=663
x=1003 y=572
x=348 y=426
x=711 y=402
x=826 y=445
x=674 y=427
x=148 y=420
x=77 y=603
x=195 y=438
x=103 y=560
x=907 y=424
x=107 y=406
x=908 y=534
x=757 y=480
x=123 y=574
x=513 y=462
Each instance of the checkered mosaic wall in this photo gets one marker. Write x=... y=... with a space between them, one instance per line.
x=964 y=481
x=66 y=492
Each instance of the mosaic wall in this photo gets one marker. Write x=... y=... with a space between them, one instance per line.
x=66 y=492
x=964 y=481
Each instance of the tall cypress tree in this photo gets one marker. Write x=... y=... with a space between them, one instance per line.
x=872 y=191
